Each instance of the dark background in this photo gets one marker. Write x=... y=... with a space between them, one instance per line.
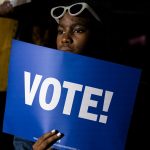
x=126 y=21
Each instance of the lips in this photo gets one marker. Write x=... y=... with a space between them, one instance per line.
x=66 y=48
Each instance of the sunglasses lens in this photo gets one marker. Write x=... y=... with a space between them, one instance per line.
x=75 y=9
x=57 y=12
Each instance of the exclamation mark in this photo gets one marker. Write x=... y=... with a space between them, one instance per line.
x=107 y=100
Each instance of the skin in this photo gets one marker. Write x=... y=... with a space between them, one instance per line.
x=47 y=140
x=5 y=8
x=73 y=35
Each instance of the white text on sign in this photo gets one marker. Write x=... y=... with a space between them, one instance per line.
x=30 y=92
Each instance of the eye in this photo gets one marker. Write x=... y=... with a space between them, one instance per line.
x=60 y=30
x=79 y=30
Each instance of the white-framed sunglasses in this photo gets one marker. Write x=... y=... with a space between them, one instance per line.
x=73 y=10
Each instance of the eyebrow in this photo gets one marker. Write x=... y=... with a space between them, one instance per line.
x=75 y=24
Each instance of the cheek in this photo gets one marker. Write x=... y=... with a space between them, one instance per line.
x=82 y=41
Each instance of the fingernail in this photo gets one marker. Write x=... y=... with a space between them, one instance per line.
x=53 y=131
x=58 y=134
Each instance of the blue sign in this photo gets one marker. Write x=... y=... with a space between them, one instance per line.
x=89 y=100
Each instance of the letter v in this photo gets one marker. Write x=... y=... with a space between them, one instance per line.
x=30 y=93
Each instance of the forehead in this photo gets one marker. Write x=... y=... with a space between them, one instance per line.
x=67 y=19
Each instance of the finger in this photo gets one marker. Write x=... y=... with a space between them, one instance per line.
x=45 y=136
x=50 y=141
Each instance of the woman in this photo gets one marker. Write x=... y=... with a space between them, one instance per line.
x=78 y=25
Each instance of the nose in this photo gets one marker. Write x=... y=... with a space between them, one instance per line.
x=67 y=38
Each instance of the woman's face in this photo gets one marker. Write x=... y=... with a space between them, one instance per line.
x=73 y=34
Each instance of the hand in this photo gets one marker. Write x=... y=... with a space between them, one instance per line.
x=5 y=8
x=47 y=140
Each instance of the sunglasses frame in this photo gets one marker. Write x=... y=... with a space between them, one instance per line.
x=84 y=6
